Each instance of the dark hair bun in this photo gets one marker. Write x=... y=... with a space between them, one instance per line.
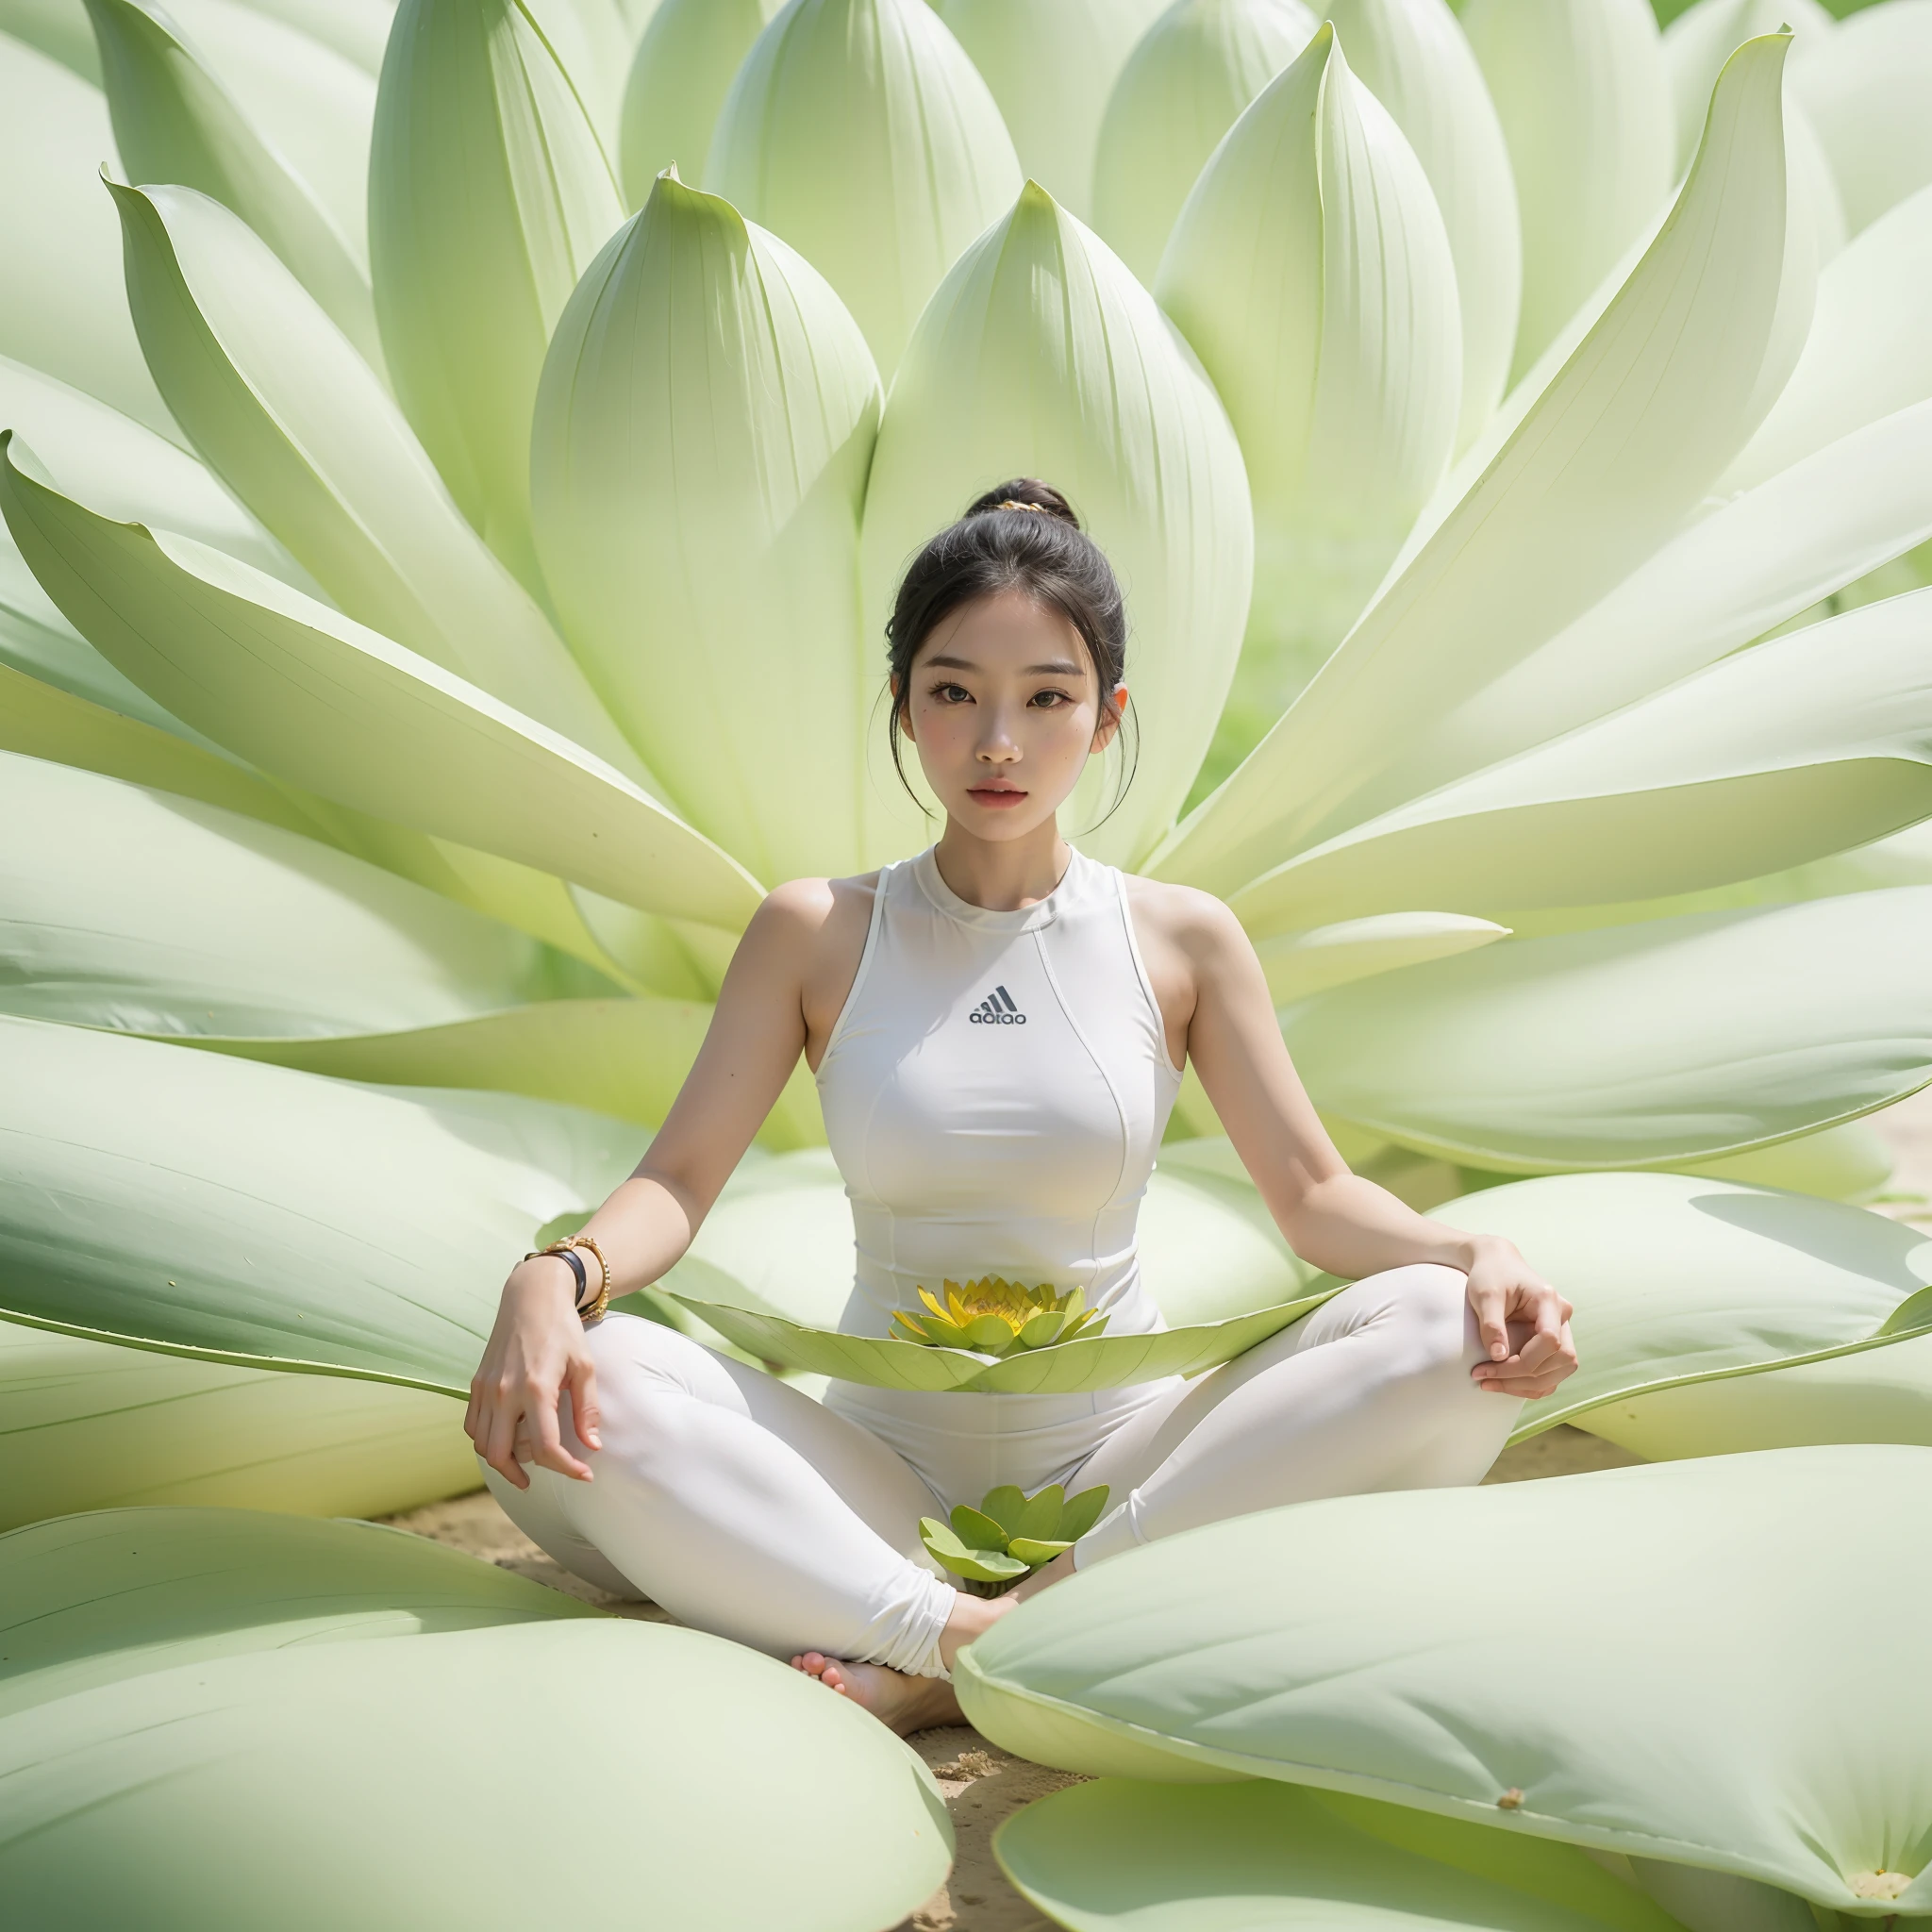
x=1026 y=494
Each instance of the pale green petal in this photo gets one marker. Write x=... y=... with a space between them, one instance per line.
x=623 y=1058
x=680 y=75
x=174 y=120
x=1584 y=96
x=136 y=910
x=1414 y=58
x=123 y=470
x=1091 y=1361
x=1677 y=1278
x=1599 y=470
x=1052 y=69
x=1868 y=352
x=489 y=194
x=1696 y=45
x=1120 y=1857
x=1726 y=579
x=90 y=1426
x=313 y=698
x=593 y=41
x=1812 y=744
x=46 y=722
x=58 y=29
x=859 y=132
x=1874 y=1395
x=1040 y=355
x=62 y=309
x=293 y=420
x=1645 y=1045
x=312 y=104
x=1295 y=1644
x=222 y=1717
x=357 y=29
x=209 y=1206
x=1181 y=89
x=1864 y=88
x=1311 y=271
x=697 y=473
x=1311 y=961
x=1851 y=1161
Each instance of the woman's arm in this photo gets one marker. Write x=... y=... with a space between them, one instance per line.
x=782 y=972
x=1209 y=980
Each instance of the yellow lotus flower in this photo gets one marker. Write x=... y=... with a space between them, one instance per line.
x=997 y=1316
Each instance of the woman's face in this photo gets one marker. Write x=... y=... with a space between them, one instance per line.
x=1005 y=708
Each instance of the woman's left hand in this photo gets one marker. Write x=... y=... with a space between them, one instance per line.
x=1524 y=1323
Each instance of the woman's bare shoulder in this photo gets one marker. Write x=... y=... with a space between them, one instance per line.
x=814 y=922
x=1196 y=922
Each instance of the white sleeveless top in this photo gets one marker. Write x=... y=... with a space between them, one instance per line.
x=994 y=1094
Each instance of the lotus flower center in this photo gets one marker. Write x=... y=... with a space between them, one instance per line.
x=1879 y=1884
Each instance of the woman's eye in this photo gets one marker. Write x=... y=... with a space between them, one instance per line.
x=1050 y=700
x=952 y=693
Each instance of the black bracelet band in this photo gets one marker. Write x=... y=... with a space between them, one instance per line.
x=576 y=1268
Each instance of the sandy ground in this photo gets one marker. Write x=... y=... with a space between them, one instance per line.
x=984 y=1784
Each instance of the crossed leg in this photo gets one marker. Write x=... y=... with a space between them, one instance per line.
x=747 y=1510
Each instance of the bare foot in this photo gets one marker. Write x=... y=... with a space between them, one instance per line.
x=906 y=1703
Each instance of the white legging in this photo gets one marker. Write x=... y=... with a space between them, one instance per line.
x=745 y=1508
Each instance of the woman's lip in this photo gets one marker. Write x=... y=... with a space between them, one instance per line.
x=996 y=794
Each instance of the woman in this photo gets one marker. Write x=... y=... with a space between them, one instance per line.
x=1018 y=1145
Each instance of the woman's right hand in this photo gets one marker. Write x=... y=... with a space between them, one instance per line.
x=536 y=1351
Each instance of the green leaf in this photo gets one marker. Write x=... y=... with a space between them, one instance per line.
x=703 y=432
x=488 y=195
x=1582 y=92
x=1035 y=1551
x=293 y=420
x=1598 y=471
x=680 y=75
x=978 y=1565
x=1634 y=1045
x=1414 y=58
x=62 y=306
x=92 y=1427
x=210 y=1206
x=859 y=132
x=1864 y=88
x=1007 y=1506
x=58 y=29
x=1062 y=1368
x=1051 y=70
x=593 y=41
x=1329 y=1666
x=979 y=1530
x=1811 y=744
x=1301 y=964
x=1867 y=1395
x=1183 y=87
x=1679 y=1280
x=1848 y=1162
x=128 y=908
x=1266 y=1857
x=1082 y=1511
x=315 y=698
x=175 y=121
x=1041 y=1517
x=356 y=29
x=1865 y=355
x=1040 y=355
x=1311 y=271
x=191 y=1679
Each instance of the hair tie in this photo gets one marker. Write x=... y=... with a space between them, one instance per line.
x=1039 y=507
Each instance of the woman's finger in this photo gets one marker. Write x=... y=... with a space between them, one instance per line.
x=581 y=1379
x=1492 y=1308
x=498 y=1449
x=546 y=1440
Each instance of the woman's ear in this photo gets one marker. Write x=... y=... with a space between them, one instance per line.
x=902 y=708
x=1110 y=716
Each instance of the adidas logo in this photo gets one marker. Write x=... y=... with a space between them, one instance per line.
x=1000 y=1010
